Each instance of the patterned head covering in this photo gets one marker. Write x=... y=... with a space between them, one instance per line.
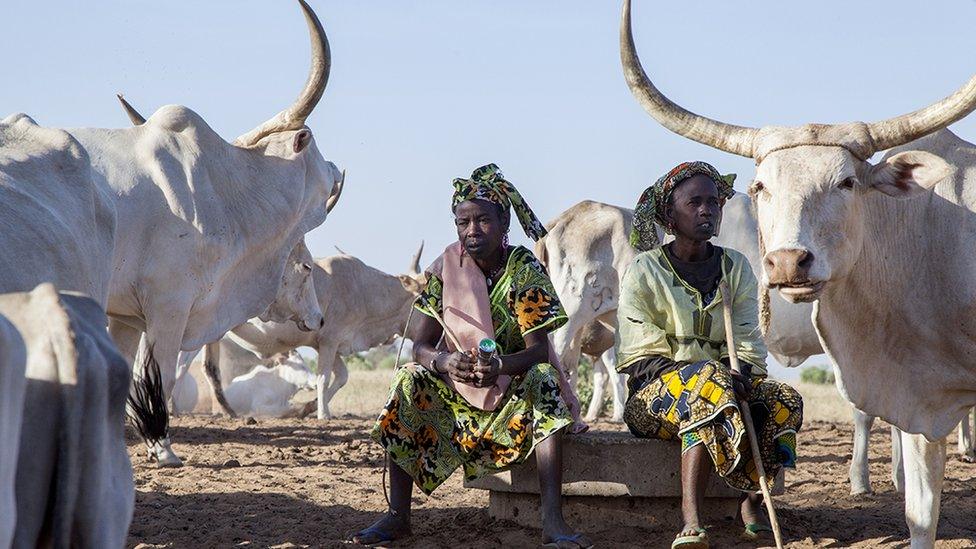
x=488 y=183
x=652 y=203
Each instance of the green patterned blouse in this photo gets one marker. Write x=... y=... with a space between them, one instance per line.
x=522 y=301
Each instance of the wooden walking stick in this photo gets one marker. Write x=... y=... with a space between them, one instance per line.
x=723 y=289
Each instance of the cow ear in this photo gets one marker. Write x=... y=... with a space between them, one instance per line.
x=301 y=141
x=908 y=173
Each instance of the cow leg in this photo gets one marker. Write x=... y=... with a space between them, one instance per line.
x=599 y=387
x=339 y=379
x=860 y=473
x=924 y=473
x=211 y=366
x=897 y=461
x=967 y=452
x=566 y=342
x=126 y=338
x=327 y=354
x=164 y=338
x=618 y=383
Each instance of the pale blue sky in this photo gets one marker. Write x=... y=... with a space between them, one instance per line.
x=422 y=92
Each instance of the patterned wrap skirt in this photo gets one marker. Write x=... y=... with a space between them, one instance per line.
x=697 y=404
x=429 y=430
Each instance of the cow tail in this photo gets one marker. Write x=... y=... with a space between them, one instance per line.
x=72 y=387
x=147 y=404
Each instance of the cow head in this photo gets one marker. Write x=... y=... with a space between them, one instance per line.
x=296 y=299
x=414 y=280
x=811 y=180
x=285 y=135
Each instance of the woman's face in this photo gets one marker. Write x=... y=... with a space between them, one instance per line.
x=480 y=228
x=695 y=211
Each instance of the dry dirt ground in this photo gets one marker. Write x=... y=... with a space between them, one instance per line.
x=306 y=483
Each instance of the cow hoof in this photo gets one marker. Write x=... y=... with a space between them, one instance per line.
x=967 y=458
x=589 y=419
x=164 y=456
x=860 y=492
x=617 y=419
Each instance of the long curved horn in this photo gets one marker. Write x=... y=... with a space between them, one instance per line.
x=134 y=116
x=415 y=260
x=727 y=137
x=336 y=193
x=909 y=127
x=293 y=117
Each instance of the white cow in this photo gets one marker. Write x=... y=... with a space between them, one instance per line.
x=267 y=390
x=363 y=307
x=73 y=482
x=205 y=227
x=884 y=249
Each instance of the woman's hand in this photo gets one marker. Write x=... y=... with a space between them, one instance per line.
x=742 y=385
x=487 y=374
x=460 y=367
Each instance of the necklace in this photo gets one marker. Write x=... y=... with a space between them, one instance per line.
x=490 y=277
x=494 y=272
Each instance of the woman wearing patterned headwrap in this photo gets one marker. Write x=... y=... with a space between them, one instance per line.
x=450 y=410
x=672 y=343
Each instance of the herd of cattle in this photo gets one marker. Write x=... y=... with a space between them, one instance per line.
x=178 y=241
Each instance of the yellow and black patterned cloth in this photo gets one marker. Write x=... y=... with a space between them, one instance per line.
x=429 y=430
x=696 y=404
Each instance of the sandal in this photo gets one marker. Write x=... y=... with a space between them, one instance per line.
x=576 y=539
x=374 y=535
x=684 y=540
x=755 y=531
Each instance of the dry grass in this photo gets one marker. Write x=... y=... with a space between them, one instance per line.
x=364 y=395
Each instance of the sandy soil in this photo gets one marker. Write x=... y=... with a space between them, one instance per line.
x=305 y=483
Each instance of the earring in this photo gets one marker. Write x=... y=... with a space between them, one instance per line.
x=505 y=241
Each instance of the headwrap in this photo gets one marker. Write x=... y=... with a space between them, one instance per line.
x=654 y=200
x=488 y=183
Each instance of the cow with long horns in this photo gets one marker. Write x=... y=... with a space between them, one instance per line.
x=885 y=251
x=205 y=227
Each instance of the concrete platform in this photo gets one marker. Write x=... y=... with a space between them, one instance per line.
x=609 y=476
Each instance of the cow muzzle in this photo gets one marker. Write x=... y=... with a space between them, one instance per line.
x=312 y=324
x=788 y=270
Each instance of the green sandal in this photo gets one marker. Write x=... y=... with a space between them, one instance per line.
x=755 y=531
x=699 y=540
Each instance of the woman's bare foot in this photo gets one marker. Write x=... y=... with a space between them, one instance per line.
x=389 y=527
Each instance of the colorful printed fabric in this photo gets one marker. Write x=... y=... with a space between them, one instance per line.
x=429 y=430
x=488 y=183
x=697 y=404
x=522 y=301
x=653 y=201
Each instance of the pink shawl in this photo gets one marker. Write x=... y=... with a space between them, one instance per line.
x=467 y=313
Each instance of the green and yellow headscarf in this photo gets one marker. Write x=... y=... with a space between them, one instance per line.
x=654 y=200
x=488 y=183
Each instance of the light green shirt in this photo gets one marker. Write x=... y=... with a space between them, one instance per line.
x=659 y=314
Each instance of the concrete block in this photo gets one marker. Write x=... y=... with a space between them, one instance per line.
x=610 y=464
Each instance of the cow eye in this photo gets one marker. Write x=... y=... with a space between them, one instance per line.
x=307 y=267
x=756 y=188
x=848 y=183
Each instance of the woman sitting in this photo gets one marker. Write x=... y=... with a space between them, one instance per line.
x=451 y=409
x=672 y=343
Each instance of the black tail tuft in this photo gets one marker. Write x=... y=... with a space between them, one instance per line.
x=147 y=403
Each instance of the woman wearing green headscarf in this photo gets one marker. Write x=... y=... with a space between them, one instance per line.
x=671 y=341
x=450 y=409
